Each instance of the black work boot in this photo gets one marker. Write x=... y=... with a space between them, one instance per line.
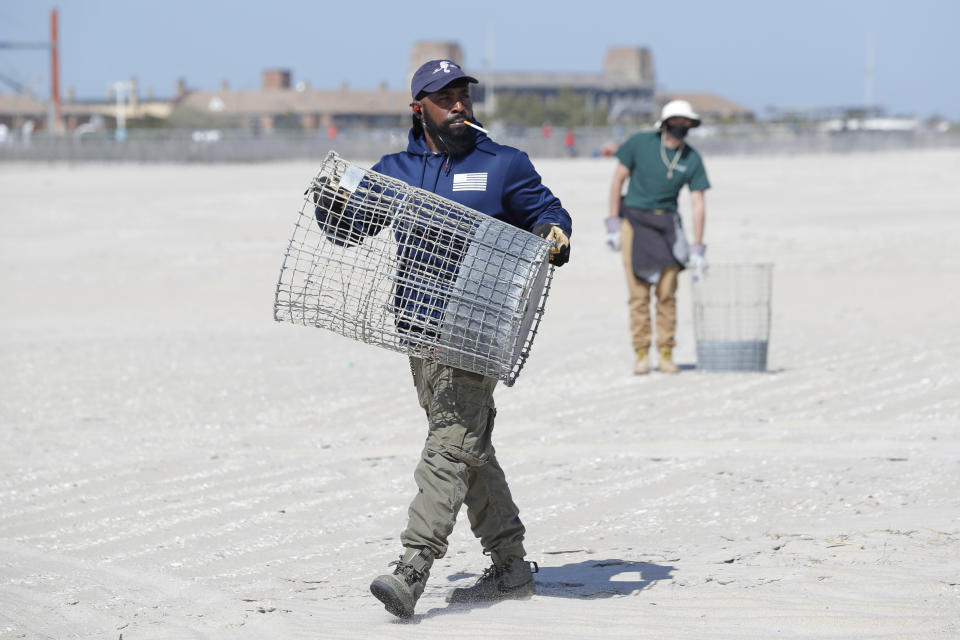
x=400 y=590
x=508 y=578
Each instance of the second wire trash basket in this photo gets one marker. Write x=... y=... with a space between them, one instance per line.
x=731 y=317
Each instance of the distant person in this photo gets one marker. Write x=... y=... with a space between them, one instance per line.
x=653 y=245
x=458 y=464
x=570 y=142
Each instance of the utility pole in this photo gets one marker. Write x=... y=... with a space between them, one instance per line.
x=55 y=71
x=489 y=100
x=868 y=76
x=119 y=88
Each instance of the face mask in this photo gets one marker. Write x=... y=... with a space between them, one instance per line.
x=678 y=131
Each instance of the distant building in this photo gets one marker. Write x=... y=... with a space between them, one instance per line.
x=276 y=105
x=622 y=93
x=15 y=110
x=624 y=90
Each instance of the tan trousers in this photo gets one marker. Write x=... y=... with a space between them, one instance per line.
x=638 y=300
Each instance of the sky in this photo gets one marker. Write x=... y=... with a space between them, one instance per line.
x=780 y=54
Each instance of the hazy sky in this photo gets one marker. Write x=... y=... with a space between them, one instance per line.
x=772 y=53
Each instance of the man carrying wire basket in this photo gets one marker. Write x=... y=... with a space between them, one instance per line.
x=449 y=154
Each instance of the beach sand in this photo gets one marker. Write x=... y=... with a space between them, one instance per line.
x=175 y=464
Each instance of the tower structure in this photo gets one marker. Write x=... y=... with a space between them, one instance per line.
x=629 y=64
x=433 y=50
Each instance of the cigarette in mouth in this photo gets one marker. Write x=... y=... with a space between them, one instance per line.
x=476 y=126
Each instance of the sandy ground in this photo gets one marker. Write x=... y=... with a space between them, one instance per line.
x=174 y=464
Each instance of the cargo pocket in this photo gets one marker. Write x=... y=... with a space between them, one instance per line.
x=474 y=406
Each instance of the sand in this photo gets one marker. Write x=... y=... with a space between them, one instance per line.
x=174 y=464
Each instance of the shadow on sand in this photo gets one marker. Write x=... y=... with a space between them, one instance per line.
x=599 y=578
x=582 y=580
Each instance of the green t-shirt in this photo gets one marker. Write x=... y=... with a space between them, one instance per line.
x=649 y=186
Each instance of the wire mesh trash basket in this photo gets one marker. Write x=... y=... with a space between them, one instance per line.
x=379 y=261
x=731 y=317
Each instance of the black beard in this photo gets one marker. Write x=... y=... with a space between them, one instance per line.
x=454 y=142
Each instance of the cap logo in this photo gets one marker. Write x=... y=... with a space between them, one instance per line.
x=444 y=66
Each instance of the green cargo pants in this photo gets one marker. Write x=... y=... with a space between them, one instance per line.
x=459 y=466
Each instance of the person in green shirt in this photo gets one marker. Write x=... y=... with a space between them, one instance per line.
x=652 y=243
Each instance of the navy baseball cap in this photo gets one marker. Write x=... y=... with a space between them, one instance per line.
x=435 y=75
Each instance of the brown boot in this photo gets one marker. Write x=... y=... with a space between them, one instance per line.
x=642 y=365
x=666 y=361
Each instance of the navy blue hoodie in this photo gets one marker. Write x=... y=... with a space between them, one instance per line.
x=494 y=179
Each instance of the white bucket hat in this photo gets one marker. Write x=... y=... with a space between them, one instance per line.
x=678 y=109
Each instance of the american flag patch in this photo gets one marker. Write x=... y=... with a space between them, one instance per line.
x=470 y=182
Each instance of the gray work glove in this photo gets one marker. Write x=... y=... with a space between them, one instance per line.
x=698 y=261
x=612 y=238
